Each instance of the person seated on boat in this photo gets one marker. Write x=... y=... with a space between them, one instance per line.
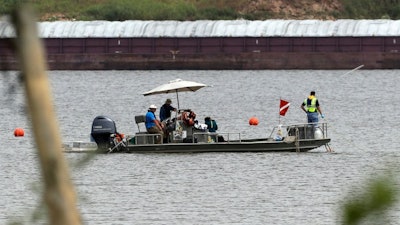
x=154 y=126
x=165 y=110
x=188 y=117
x=212 y=127
x=211 y=124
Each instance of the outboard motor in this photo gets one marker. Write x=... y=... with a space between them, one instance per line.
x=102 y=128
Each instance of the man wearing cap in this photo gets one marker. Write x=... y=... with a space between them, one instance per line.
x=153 y=126
x=311 y=107
x=165 y=110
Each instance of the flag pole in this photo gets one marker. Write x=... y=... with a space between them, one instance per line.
x=279 y=111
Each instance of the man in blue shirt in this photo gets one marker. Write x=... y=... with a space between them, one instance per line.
x=154 y=126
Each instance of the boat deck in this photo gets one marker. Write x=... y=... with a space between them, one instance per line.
x=297 y=138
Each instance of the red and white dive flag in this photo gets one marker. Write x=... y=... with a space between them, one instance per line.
x=284 y=106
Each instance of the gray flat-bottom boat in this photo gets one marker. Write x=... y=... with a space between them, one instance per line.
x=292 y=138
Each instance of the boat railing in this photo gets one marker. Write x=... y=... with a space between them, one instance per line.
x=301 y=131
x=229 y=136
x=143 y=139
x=213 y=137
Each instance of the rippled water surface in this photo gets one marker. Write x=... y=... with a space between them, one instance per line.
x=209 y=188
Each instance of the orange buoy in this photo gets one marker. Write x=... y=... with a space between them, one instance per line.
x=253 y=121
x=19 y=132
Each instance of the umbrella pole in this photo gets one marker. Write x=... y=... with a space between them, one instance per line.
x=177 y=98
x=178 y=127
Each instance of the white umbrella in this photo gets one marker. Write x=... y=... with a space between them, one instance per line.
x=177 y=85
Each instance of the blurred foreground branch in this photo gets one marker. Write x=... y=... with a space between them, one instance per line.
x=372 y=204
x=59 y=193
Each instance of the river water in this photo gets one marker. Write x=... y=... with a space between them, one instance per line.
x=362 y=109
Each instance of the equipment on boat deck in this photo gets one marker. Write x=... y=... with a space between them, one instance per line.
x=318 y=134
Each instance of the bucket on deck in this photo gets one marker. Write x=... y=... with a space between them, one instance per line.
x=318 y=134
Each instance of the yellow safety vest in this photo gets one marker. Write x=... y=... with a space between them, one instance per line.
x=313 y=106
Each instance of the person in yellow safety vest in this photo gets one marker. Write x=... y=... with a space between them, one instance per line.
x=312 y=108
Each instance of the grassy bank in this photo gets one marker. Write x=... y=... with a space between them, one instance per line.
x=115 y=10
x=133 y=9
x=371 y=9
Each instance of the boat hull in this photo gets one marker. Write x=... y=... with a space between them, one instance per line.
x=299 y=138
x=258 y=146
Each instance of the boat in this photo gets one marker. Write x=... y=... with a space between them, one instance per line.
x=183 y=134
x=191 y=139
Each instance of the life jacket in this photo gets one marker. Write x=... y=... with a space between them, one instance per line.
x=119 y=136
x=188 y=118
x=311 y=104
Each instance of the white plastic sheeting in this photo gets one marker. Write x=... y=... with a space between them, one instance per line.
x=211 y=28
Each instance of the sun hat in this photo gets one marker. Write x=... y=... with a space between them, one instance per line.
x=153 y=107
x=168 y=101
